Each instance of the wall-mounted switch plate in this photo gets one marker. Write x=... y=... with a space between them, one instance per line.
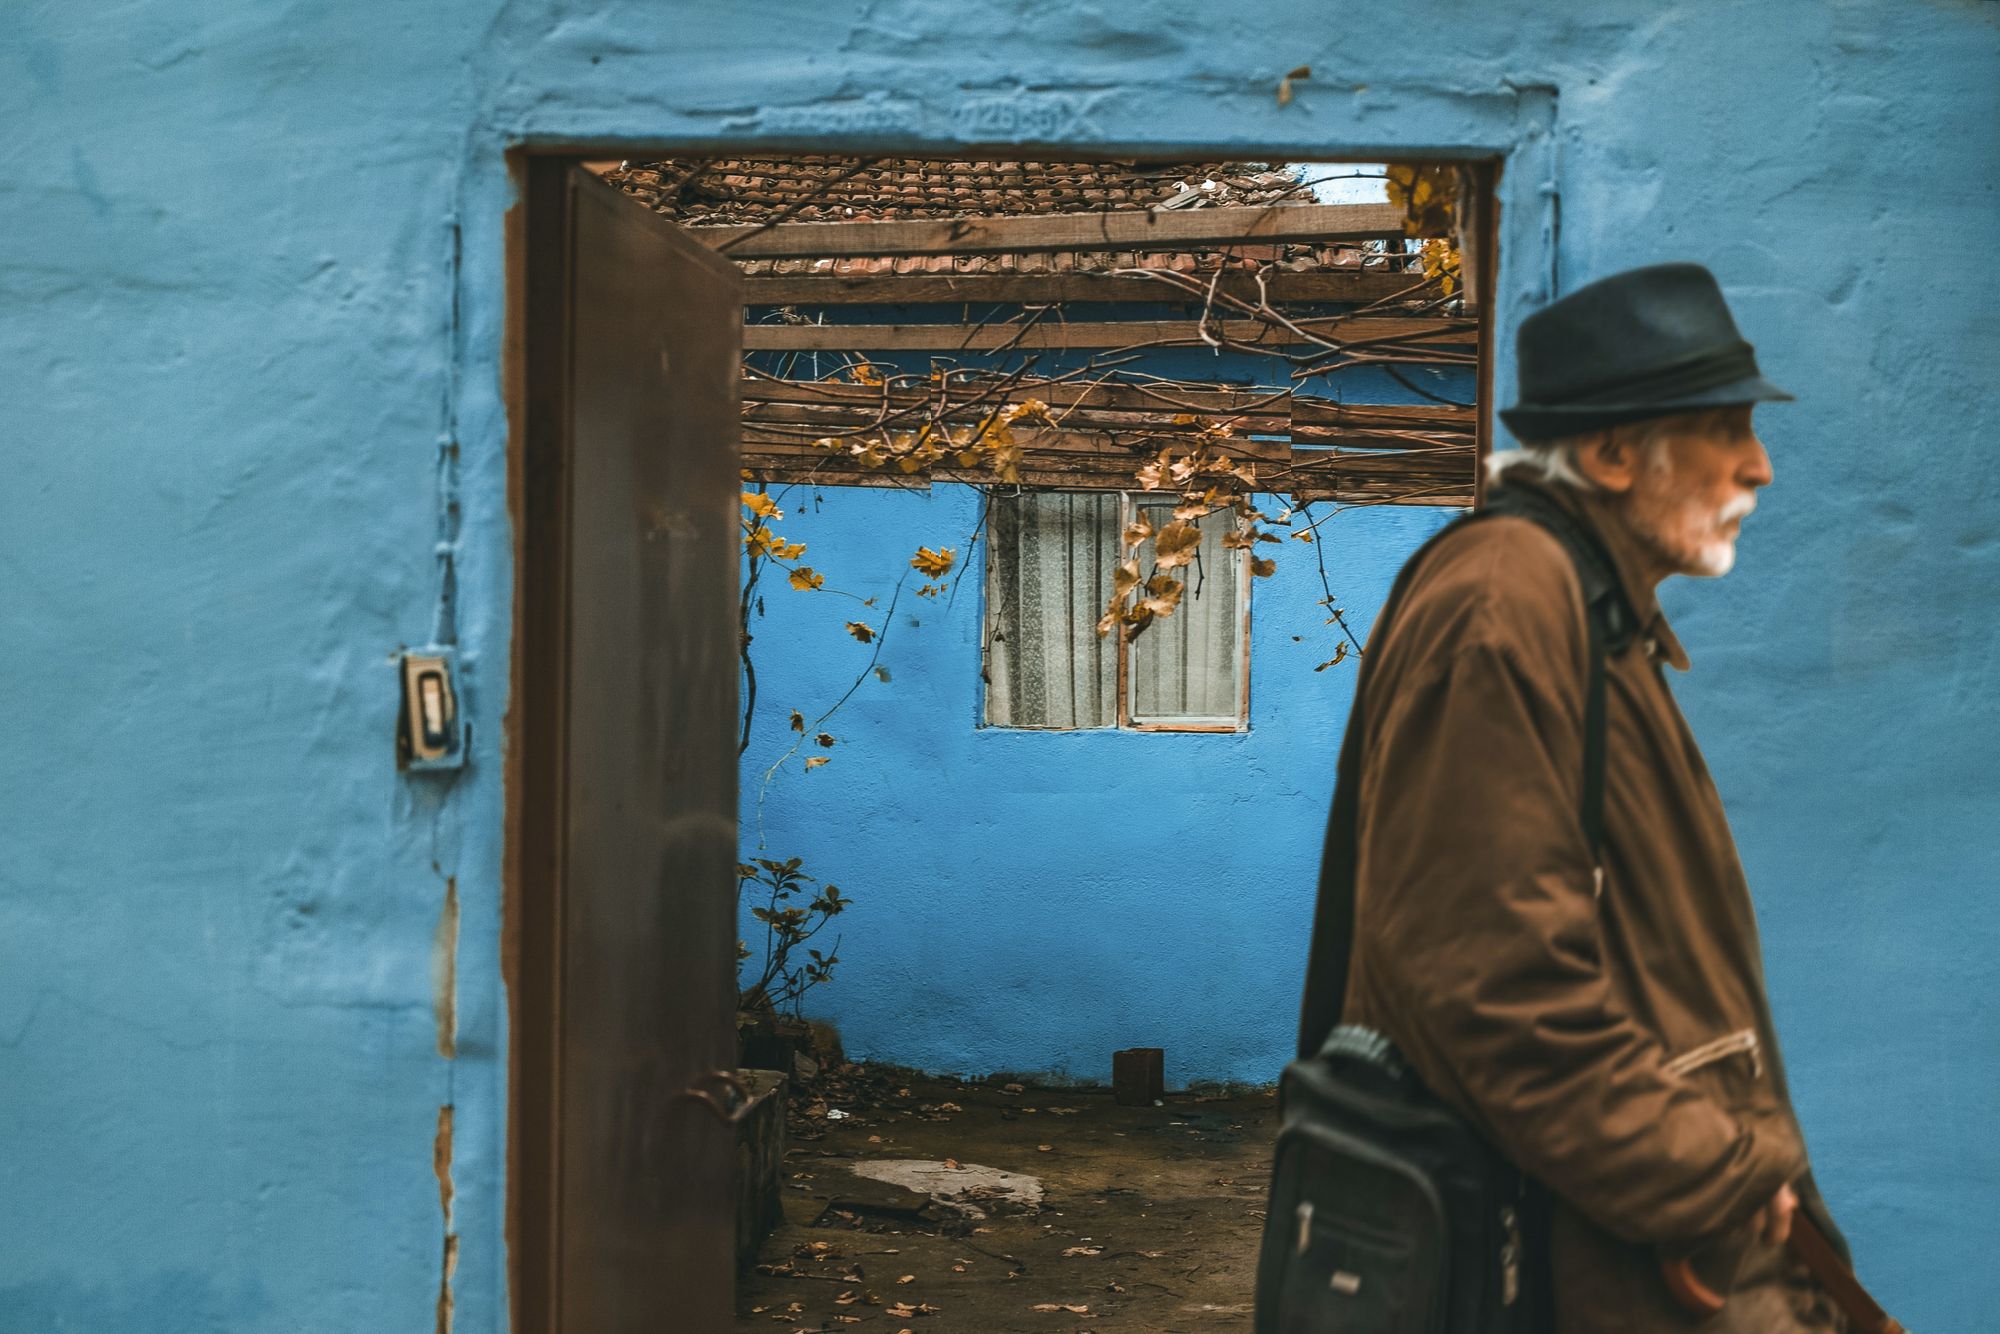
x=429 y=734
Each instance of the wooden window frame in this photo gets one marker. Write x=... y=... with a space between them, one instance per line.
x=1129 y=503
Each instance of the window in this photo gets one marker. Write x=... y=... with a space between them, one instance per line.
x=1050 y=559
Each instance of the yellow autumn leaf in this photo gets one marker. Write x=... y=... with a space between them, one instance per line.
x=1339 y=656
x=761 y=505
x=825 y=739
x=805 y=577
x=1029 y=409
x=1125 y=578
x=1262 y=568
x=814 y=761
x=934 y=564
x=861 y=631
x=798 y=721
x=1138 y=531
x=1176 y=544
x=1164 y=595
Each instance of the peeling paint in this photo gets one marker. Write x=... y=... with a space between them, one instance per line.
x=448 y=1267
x=444 y=972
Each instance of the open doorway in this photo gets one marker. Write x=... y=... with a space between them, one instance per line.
x=1054 y=428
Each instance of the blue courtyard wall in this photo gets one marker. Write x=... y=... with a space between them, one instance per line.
x=250 y=332
x=1027 y=900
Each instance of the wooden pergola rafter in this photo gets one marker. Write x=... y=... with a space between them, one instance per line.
x=1094 y=436
x=1097 y=433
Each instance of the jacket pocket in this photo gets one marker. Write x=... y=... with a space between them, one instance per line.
x=1730 y=1069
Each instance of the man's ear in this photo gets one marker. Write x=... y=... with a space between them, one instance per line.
x=1608 y=459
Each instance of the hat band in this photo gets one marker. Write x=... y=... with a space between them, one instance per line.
x=1670 y=380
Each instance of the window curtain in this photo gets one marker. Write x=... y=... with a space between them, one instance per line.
x=1187 y=667
x=1049 y=579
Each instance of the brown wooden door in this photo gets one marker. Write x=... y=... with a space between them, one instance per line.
x=645 y=987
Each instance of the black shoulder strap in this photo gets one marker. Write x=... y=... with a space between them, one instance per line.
x=1610 y=624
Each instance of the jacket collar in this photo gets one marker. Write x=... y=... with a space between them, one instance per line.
x=1654 y=636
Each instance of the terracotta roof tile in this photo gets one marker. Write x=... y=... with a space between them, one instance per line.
x=838 y=189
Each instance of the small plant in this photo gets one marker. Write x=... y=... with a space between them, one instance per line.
x=793 y=912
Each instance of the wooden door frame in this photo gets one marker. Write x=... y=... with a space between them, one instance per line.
x=536 y=392
x=537 y=389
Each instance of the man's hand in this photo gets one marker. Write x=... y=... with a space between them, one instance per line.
x=1774 y=1220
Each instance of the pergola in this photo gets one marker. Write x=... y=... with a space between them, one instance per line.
x=1254 y=273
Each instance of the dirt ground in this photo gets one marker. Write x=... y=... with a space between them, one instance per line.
x=1149 y=1217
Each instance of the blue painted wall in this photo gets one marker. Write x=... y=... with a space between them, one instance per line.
x=1025 y=900
x=234 y=340
x=1033 y=900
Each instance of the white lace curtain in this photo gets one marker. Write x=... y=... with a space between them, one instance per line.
x=1187 y=668
x=1048 y=582
x=1050 y=558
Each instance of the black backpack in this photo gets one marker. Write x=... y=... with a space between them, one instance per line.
x=1388 y=1213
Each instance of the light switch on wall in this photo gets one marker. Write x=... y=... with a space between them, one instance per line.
x=429 y=735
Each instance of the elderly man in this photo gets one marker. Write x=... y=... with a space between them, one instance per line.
x=1590 y=999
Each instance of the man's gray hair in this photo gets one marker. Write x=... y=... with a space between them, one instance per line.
x=1555 y=460
x=1547 y=460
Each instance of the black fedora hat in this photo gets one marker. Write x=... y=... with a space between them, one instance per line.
x=1639 y=344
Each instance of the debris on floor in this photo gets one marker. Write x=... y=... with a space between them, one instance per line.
x=935 y=1205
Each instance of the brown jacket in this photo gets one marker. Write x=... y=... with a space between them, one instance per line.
x=1613 y=1044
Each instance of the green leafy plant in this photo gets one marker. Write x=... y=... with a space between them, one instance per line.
x=794 y=908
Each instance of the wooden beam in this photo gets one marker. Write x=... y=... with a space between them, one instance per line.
x=1095 y=334
x=1115 y=408
x=1161 y=422
x=1274 y=403
x=1371 y=491
x=1442 y=463
x=1127 y=229
x=1349 y=452
x=1350 y=286
x=1308 y=410
x=1127 y=450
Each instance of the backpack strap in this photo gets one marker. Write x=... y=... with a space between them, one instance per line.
x=1611 y=625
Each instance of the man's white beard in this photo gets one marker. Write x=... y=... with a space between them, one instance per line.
x=1719 y=557
x=1716 y=559
x=1713 y=557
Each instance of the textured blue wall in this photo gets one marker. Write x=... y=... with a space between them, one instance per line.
x=1033 y=900
x=233 y=338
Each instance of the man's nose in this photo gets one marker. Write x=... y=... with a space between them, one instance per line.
x=1756 y=469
